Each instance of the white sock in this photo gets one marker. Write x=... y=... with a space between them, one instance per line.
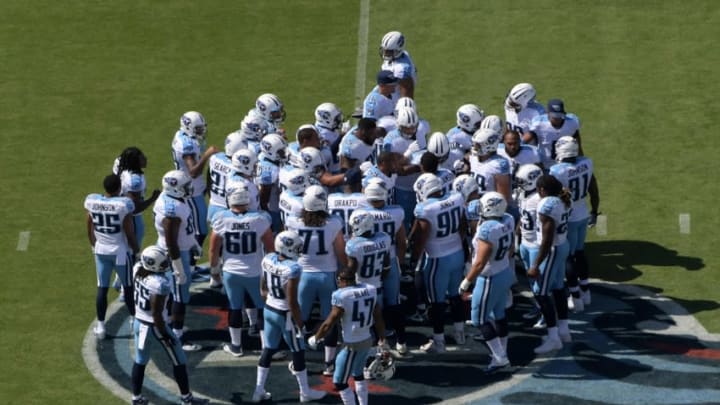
x=252 y=314
x=504 y=342
x=459 y=327
x=302 y=380
x=348 y=396
x=262 y=374
x=236 y=336
x=563 y=326
x=439 y=338
x=178 y=333
x=361 y=388
x=496 y=348
x=553 y=333
x=330 y=354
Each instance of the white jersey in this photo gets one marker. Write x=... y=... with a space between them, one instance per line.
x=576 y=178
x=152 y=284
x=528 y=219
x=547 y=135
x=108 y=214
x=388 y=219
x=554 y=208
x=370 y=255
x=444 y=215
x=318 y=253
x=277 y=273
x=402 y=66
x=528 y=154
x=499 y=234
x=520 y=122
x=291 y=206
x=242 y=247
x=343 y=205
x=331 y=140
x=268 y=175
x=133 y=183
x=485 y=172
x=353 y=148
x=235 y=181
x=358 y=304
x=171 y=207
x=184 y=145
x=219 y=168
x=395 y=142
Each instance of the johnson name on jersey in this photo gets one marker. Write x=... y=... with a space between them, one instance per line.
x=107 y=215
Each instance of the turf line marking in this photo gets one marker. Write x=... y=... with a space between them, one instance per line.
x=601 y=225
x=362 y=52
x=23 y=241
x=684 y=223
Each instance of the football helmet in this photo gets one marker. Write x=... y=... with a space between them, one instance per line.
x=527 y=176
x=274 y=147
x=426 y=185
x=288 y=244
x=404 y=102
x=382 y=367
x=315 y=199
x=193 y=123
x=253 y=127
x=376 y=190
x=233 y=143
x=407 y=122
x=439 y=146
x=492 y=204
x=566 y=147
x=241 y=196
x=176 y=183
x=244 y=162
x=271 y=108
x=469 y=117
x=361 y=222
x=154 y=259
x=485 y=141
x=328 y=115
x=298 y=181
x=311 y=161
x=465 y=185
x=492 y=122
x=392 y=45
x=520 y=95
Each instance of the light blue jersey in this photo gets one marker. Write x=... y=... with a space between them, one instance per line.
x=358 y=304
x=184 y=145
x=353 y=148
x=377 y=105
x=370 y=253
x=402 y=67
x=499 y=234
x=576 y=178
x=485 y=171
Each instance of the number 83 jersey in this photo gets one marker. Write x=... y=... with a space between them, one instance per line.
x=444 y=215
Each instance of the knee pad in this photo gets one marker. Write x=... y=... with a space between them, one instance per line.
x=266 y=357
x=488 y=331
x=235 y=318
x=298 y=360
x=581 y=264
x=501 y=326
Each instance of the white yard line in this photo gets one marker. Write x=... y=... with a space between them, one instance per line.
x=362 y=52
x=684 y=223
x=23 y=241
x=601 y=225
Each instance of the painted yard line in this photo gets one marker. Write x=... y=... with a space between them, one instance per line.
x=23 y=241
x=601 y=225
x=684 y=223
x=362 y=52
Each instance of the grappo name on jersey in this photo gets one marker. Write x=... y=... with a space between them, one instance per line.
x=103 y=207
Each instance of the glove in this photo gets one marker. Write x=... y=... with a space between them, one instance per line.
x=464 y=286
x=179 y=271
x=196 y=251
x=352 y=176
x=313 y=342
x=593 y=219
x=412 y=148
x=365 y=166
x=301 y=332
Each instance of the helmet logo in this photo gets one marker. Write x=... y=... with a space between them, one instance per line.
x=287 y=242
x=266 y=146
x=492 y=202
x=464 y=117
x=171 y=181
x=324 y=115
x=186 y=121
x=149 y=261
x=306 y=158
x=260 y=106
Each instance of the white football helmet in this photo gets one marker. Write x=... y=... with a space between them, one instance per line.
x=253 y=127
x=233 y=143
x=312 y=161
x=315 y=199
x=176 y=183
x=492 y=204
x=392 y=45
x=244 y=162
x=298 y=181
x=154 y=259
x=404 y=102
x=485 y=141
x=271 y=108
x=426 y=185
x=465 y=185
x=566 y=147
x=241 y=196
x=376 y=190
x=527 y=176
x=193 y=123
x=361 y=222
x=492 y=122
x=407 y=122
x=521 y=95
x=274 y=147
x=328 y=115
x=469 y=117
x=439 y=146
x=382 y=367
x=288 y=244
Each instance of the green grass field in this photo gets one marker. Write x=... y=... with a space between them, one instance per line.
x=80 y=80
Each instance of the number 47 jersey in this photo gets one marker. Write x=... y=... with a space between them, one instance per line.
x=444 y=215
x=358 y=303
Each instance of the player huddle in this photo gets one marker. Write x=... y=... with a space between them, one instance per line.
x=340 y=217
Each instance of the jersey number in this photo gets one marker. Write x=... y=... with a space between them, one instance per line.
x=306 y=234
x=562 y=227
x=370 y=267
x=217 y=183
x=276 y=288
x=388 y=228
x=363 y=316
x=578 y=193
x=241 y=243
x=503 y=246
x=528 y=222
x=448 y=222
x=106 y=223
x=142 y=296
x=341 y=213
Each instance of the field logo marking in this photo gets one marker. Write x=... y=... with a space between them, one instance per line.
x=23 y=241
x=684 y=223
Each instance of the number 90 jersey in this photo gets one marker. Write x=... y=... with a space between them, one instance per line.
x=554 y=208
x=242 y=249
x=171 y=207
x=370 y=255
x=499 y=234
x=318 y=253
x=444 y=215
x=277 y=273
x=107 y=214
x=358 y=303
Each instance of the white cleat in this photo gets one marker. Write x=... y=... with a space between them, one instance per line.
x=99 y=331
x=433 y=347
x=586 y=297
x=260 y=396
x=312 y=395
x=401 y=348
x=549 y=345
x=496 y=364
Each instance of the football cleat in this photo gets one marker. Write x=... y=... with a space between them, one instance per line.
x=549 y=345
x=140 y=401
x=433 y=347
x=189 y=346
x=99 y=331
x=496 y=364
x=329 y=370
x=192 y=400
x=261 y=395
x=312 y=395
x=235 y=351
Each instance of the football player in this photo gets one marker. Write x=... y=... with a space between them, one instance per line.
x=283 y=319
x=219 y=168
x=469 y=117
x=382 y=98
x=152 y=289
x=293 y=183
x=548 y=268
x=517 y=154
x=491 y=171
x=112 y=240
x=355 y=306
x=493 y=277
x=269 y=107
x=175 y=226
x=521 y=107
x=273 y=157
x=397 y=60
x=244 y=163
x=343 y=205
x=239 y=236
x=546 y=129
x=357 y=146
x=130 y=169
x=329 y=122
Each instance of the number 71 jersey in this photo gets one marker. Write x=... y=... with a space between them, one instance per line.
x=358 y=303
x=444 y=216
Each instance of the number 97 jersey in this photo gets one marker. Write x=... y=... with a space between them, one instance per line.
x=358 y=303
